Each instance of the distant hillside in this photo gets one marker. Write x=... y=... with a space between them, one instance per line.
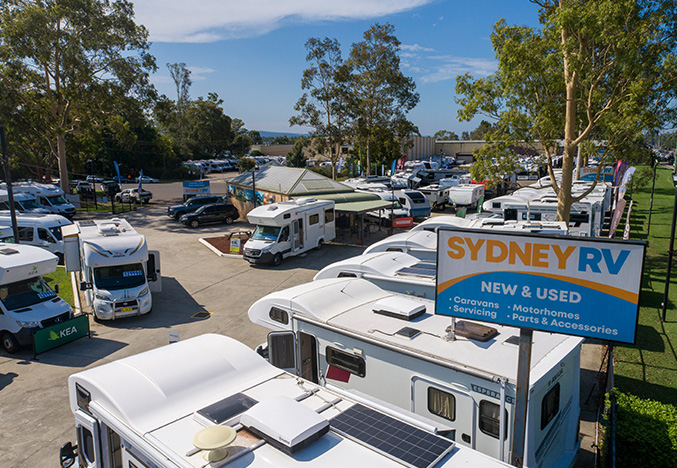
x=265 y=134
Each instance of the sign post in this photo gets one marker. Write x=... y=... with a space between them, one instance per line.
x=569 y=285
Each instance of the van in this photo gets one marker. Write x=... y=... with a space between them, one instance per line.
x=23 y=202
x=27 y=303
x=49 y=196
x=40 y=230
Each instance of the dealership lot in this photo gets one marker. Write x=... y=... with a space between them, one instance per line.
x=34 y=407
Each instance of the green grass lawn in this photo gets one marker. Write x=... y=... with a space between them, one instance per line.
x=648 y=368
x=63 y=279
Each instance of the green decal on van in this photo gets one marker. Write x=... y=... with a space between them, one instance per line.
x=61 y=333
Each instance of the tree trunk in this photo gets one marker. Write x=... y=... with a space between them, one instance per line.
x=63 y=167
x=368 y=172
x=571 y=80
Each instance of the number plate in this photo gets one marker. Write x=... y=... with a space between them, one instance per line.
x=126 y=309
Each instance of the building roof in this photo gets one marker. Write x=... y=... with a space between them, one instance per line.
x=289 y=181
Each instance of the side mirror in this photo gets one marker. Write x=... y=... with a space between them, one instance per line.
x=84 y=286
x=56 y=288
x=67 y=455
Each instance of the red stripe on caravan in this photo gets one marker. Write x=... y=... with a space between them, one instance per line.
x=335 y=373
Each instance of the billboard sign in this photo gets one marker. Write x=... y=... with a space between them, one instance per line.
x=556 y=284
x=196 y=187
x=48 y=338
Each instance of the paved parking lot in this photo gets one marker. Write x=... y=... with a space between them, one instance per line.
x=34 y=409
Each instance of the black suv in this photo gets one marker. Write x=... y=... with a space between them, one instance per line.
x=192 y=204
x=213 y=213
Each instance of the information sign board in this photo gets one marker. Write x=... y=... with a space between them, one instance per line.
x=567 y=285
x=196 y=187
x=60 y=334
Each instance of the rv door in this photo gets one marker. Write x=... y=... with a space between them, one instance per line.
x=153 y=269
x=282 y=350
x=89 y=440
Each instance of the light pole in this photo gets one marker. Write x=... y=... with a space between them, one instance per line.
x=670 y=250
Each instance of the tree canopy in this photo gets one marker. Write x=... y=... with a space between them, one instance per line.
x=595 y=69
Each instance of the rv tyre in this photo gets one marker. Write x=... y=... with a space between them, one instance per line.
x=10 y=343
x=277 y=259
x=320 y=243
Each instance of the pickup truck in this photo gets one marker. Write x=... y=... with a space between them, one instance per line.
x=133 y=195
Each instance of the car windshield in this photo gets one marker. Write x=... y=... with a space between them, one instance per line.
x=119 y=276
x=57 y=200
x=25 y=293
x=266 y=233
x=30 y=204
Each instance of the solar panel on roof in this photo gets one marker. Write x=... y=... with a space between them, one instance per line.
x=417 y=272
x=397 y=439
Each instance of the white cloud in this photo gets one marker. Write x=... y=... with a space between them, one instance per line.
x=213 y=20
x=197 y=73
x=416 y=48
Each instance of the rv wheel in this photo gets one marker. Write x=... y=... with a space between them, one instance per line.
x=194 y=223
x=320 y=243
x=277 y=259
x=10 y=343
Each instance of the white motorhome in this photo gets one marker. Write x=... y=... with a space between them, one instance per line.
x=585 y=219
x=289 y=228
x=117 y=271
x=360 y=338
x=39 y=229
x=27 y=303
x=420 y=244
x=210 y=401
x=23 y=202
x=49 y=196
x=415 y=202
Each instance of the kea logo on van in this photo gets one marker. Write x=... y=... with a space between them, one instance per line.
x=53 y=336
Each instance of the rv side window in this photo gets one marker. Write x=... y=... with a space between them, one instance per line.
x=489 y=419
x=279 y=315
x=25 y=234
x=83 y=398
x=578 y=218
x=115 y=449
x=441 y=403
x=532 y=216
x=403 y=201
x=496 y=205
x=286 y=216
x=313 y=219
x=43 y=235
x=86 y=446
x=346 y=361
x=328 y=216
x=394 y=249
x=550 y=405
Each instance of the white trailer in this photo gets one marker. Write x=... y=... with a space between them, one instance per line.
x=49 y=196
x=350 y=334
x=27 y=303
x=212 y=402
x=466 y=195
x=437 y=195
x=117 y=271
x=289 y=228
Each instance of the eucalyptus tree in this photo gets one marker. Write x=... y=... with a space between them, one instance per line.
x=600 y=69
x=83 y=57
x=323 y=106
x=181 y=76
x=378 y=93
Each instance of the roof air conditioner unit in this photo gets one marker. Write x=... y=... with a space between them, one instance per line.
x=400 y=308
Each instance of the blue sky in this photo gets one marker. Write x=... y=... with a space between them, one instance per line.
x=252 y=53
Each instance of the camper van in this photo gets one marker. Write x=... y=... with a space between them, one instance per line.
x=289 y=228
x=23 y=202
x=210 y=401
x=350 y=334
x=41 y=230
x=117 y=270
x=420 y=244
x=48 y=196
x=27 y=303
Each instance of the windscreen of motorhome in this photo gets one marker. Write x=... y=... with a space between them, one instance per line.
x=569 y=285
x=397 y=439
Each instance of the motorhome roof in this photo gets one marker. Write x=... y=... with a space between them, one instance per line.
x=347 y=304
x=275 y=212
x=424 y=240
x=378 y=263
x=19 y=262
x=110 y=239
x=46 y=218
x=164 y=396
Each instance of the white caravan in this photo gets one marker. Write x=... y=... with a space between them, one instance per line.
x=49 y=196
x=27 y=303
x=23 y=202
x=289 y=228
x=466 y=195
x=393 y=348
x=117 y=271
x=420 y=244
x=40 y=230
x=210 y=401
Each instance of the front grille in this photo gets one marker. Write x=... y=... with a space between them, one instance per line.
x=55 y=320
x=123 y=304
x=252 y=252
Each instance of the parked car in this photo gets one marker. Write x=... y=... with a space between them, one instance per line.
x=147 y=180
x=94 y=179
x=133 y=195
x=192 y=204
x=83 y=186
x=110 y=187
x=213 y=213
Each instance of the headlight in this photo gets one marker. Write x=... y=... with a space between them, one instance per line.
x=28 y=323
x=144 y=291
x=101 y=297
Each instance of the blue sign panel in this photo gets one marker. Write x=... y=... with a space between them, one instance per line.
x=558 y=284
x=196 y=187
